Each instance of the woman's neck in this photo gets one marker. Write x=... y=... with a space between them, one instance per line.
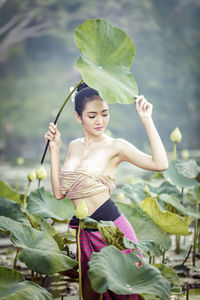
x=91 y=139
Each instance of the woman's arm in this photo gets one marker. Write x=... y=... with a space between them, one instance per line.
x=54 y=136
x=127 y=152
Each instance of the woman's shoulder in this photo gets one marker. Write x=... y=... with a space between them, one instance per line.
x=75 y=142
x=117 y=144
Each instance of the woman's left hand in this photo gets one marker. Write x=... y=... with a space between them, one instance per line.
x=143 y=107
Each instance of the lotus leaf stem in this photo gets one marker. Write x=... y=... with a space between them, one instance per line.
x=174 y=151
x=199 y=236
x=195 y=229
x=16 y=256
x=25 y=196
x=79 y=260
x=163 y=257
x=56 y=119
x=39 y=180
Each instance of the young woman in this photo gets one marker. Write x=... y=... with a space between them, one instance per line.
x=90 y=166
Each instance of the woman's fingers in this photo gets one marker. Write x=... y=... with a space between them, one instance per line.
x=50 y=134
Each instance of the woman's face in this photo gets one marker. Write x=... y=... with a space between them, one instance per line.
x=95 y=117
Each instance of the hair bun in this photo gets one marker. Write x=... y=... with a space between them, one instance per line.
x=82 y=86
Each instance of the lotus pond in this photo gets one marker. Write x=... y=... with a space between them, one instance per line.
x=38 y=249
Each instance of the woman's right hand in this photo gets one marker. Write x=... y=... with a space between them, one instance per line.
x=53 y=135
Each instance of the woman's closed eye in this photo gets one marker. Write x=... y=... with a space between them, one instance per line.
x=92 y=117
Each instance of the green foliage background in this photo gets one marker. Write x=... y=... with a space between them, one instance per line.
x=36 y=73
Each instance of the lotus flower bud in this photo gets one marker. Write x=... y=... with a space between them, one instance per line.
x=20 y=161
x=185 y=154
x=41 y=173
x=146 y=189
x=81 y=211
x=176 y=135
x=32 y=175
x=120 y=196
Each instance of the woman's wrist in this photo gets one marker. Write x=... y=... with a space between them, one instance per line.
x=54 y=148
x=146 y=120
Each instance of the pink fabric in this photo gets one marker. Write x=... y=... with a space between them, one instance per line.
x=91 y=241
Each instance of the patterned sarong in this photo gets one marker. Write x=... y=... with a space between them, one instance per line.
x=92 y=241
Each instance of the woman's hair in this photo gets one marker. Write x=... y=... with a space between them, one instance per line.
x=84 y=94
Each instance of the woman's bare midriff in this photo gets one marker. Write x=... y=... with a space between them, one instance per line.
x=94 y=201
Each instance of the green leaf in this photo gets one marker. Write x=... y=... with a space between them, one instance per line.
x=167 y=221
x=119 y=272
x=135 y=192
x=107 y=53
x=171 y=276
x=40 y=251
x=186 y=211
x=7 y=192
x=147 y=246
x=165 y=188
x=12 y=210
x=13 y=286
x=178 y=178
x=188 y=168
x=144 y=227
x=43 y=203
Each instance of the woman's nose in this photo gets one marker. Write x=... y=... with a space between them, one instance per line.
x=99 y=120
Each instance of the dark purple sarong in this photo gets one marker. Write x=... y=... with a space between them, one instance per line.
x=92 y=241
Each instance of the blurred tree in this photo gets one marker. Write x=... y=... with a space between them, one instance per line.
x=36 y=73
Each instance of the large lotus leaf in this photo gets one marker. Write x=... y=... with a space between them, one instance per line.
x=40 y=251
x=178 y=178
x=171 y=276
x=188 y=168
x=13 y=286
x=43 y=203
x=135 y=192
x=165 y=188
x=166 y=220
x=186 y=211
x=144 y=227
x=12 y=210
x=147 y=246
x=7 y=192
x=107 y=53
x=116 y=271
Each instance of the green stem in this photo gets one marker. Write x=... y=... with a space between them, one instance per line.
x=195 y=228
x=79 y=260
x=15 y=260
x=26 y=194
x=177 y=244
x=56 y=119
x=101 y=296
x=174 y=151
x=32 y=275
x=163 y=257
x=199 y=236
x=39 y=180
